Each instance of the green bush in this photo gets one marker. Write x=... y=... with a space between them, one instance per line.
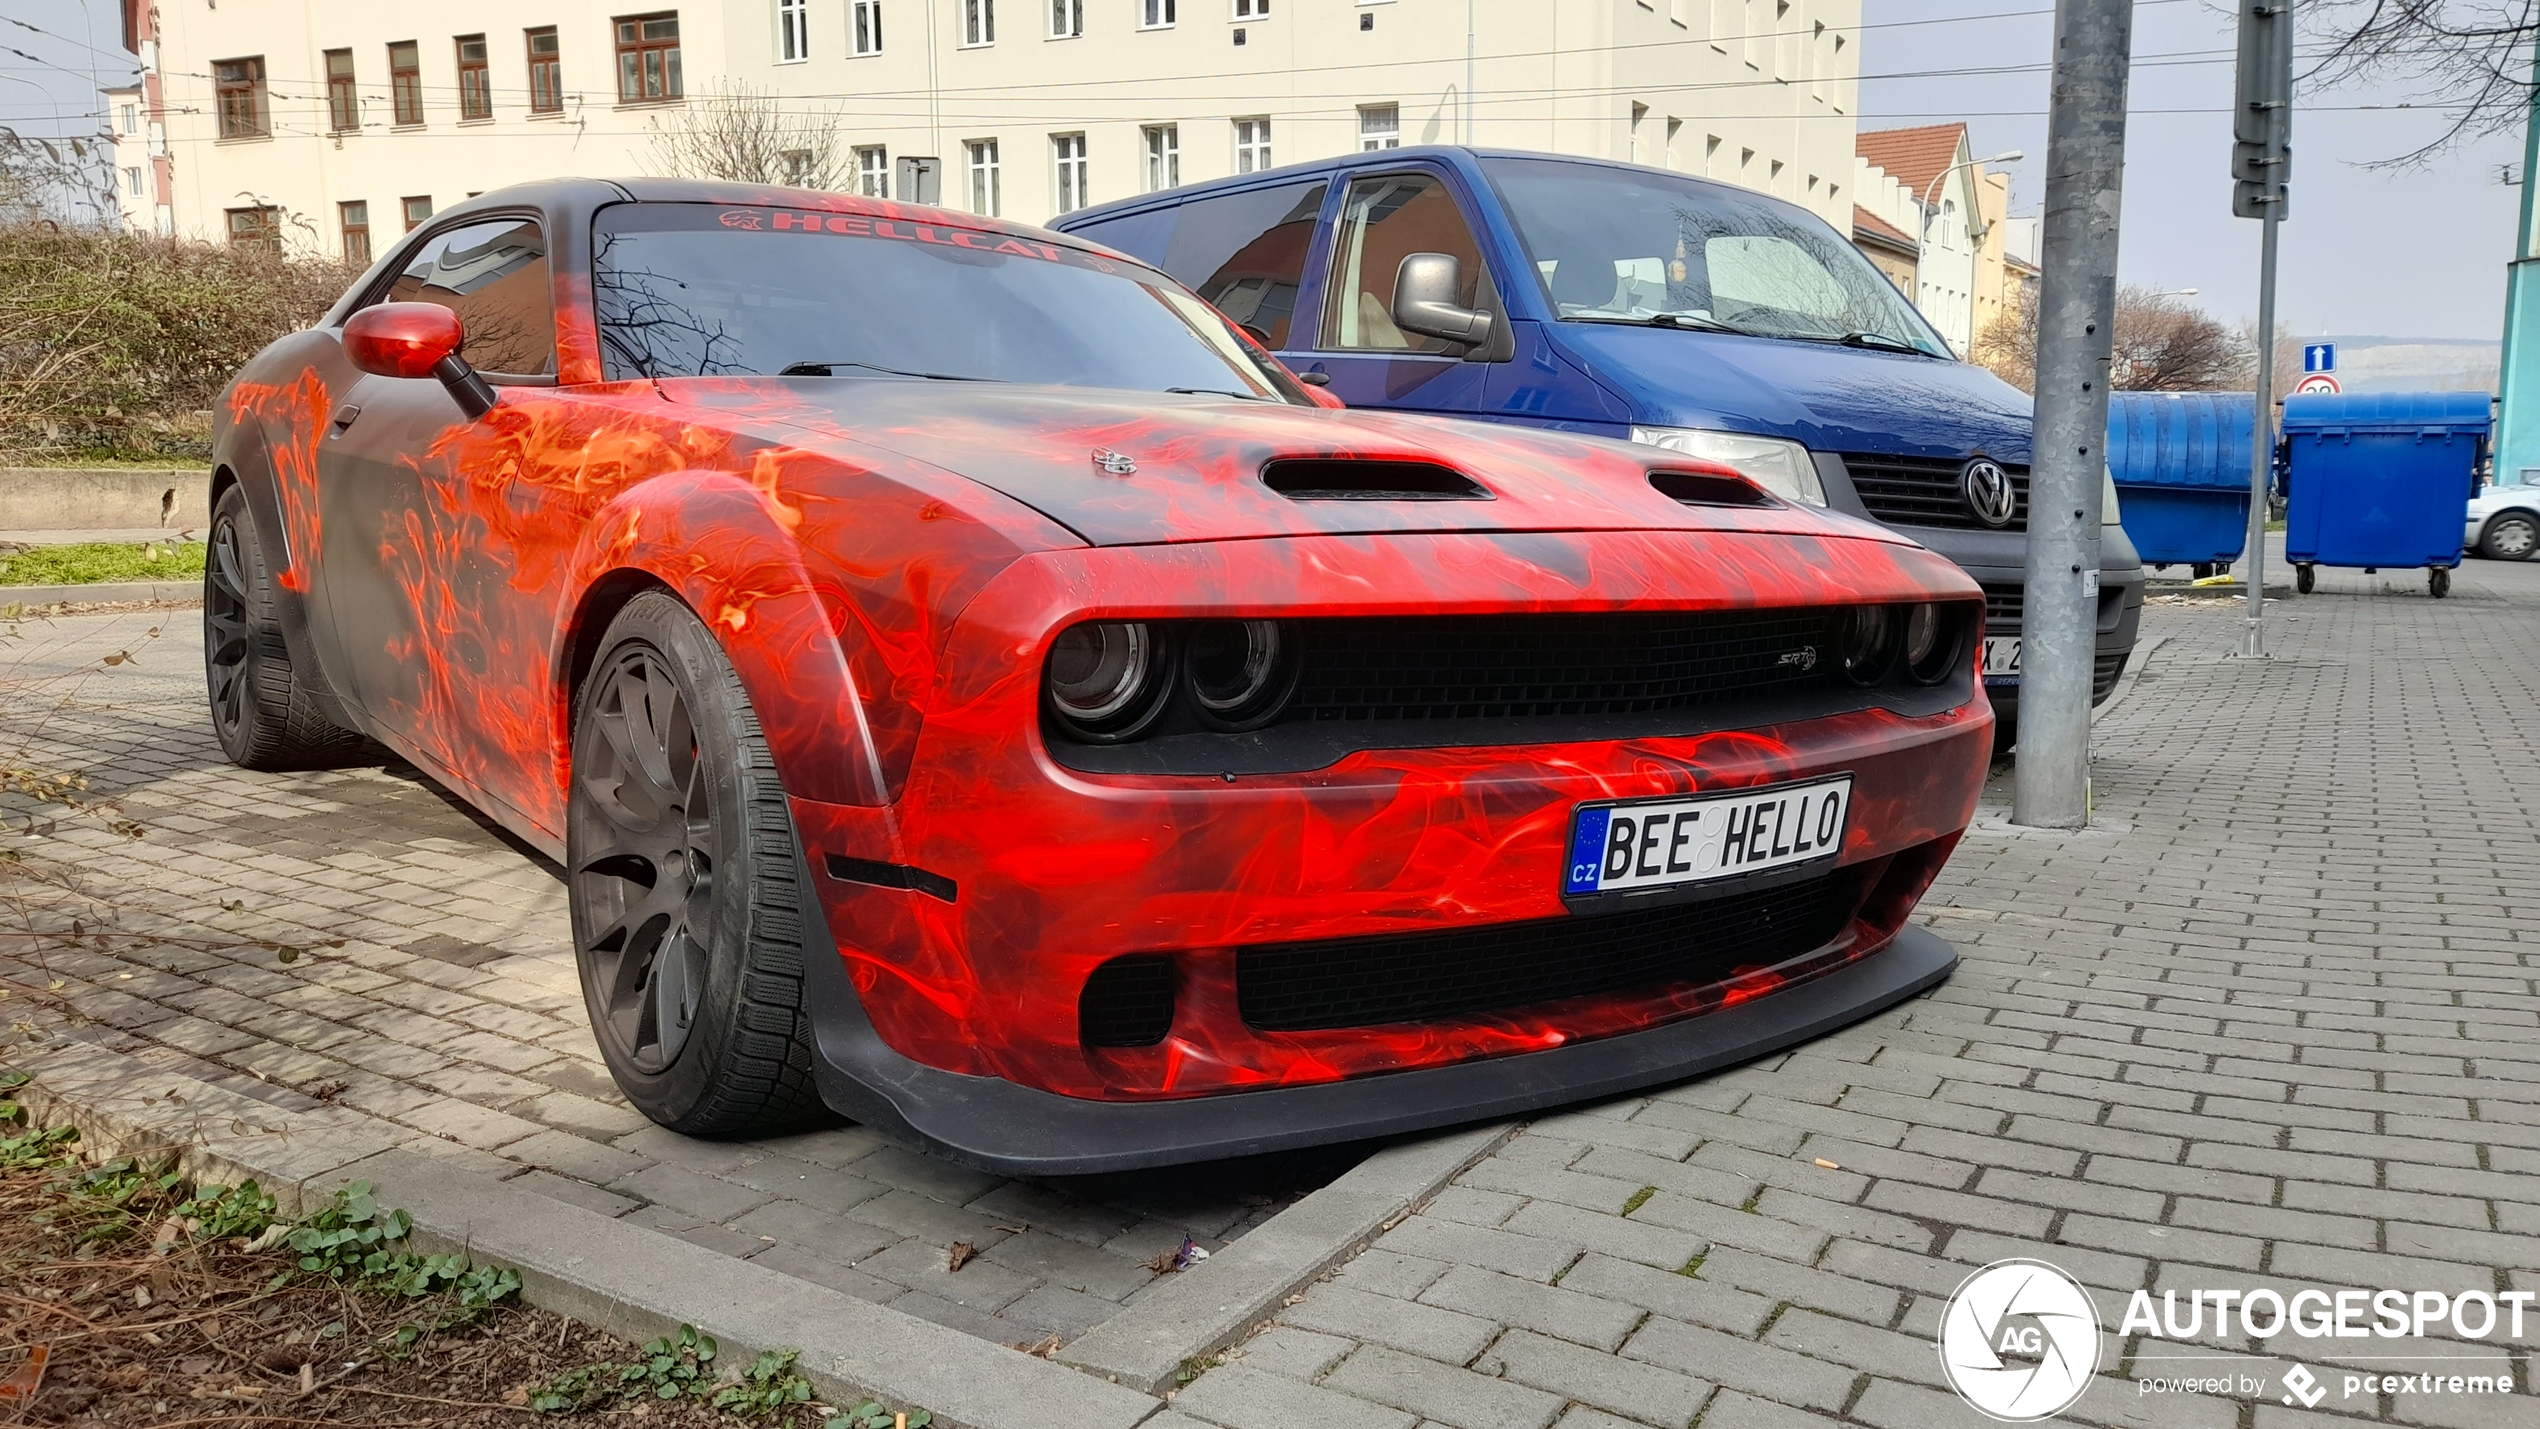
x=117 y=343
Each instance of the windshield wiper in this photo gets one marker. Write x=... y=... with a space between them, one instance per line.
x=822 y=369
x=1218 y=392
x=1881 y=341
x=1693 y=322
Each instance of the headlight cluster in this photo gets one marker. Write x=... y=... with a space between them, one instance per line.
x=1928 y=640
x=1109 y=681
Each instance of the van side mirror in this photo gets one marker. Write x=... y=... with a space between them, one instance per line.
x=1424 y=301
x=417 y=340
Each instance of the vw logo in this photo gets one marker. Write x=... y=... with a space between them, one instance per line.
x=2019 y=1341
x=1114 y=463
x=1989 y=493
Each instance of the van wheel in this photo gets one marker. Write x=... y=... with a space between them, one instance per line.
x=684 y=879
x=262 y=711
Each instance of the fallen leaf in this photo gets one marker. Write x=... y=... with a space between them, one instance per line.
x=1039 y=1349
x=962 y=1252
x=118 y=658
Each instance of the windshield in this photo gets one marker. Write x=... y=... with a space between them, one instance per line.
x=692 y=290
x=1629 y=245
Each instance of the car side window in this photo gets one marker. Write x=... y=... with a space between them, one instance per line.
x=494 y=276
x=1383 y=221
x=1245 y=252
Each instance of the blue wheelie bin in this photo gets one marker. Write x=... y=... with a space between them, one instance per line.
x=2181 y=463
x=2379 y=479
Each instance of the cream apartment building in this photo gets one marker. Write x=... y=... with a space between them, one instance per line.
x=332 y=127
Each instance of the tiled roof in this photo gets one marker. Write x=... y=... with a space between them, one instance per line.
x=1866 y=224
x=1912 y=157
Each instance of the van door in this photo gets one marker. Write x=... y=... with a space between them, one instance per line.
x=1383 y=219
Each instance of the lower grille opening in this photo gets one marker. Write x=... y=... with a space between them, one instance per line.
x=2104 y=674
x=1128 y=1002
x=1425 y=977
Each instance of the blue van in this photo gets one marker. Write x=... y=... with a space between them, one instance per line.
x=1634 y=303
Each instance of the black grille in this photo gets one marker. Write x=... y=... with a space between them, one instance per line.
x=2003 y=604
x=1924 y=491
x=1128 y=1002
x=1422 y=977
x=1492 y=667
x=2105 y=673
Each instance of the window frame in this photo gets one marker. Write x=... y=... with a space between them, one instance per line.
x=1487 y=295
x=859 y=13
x=546 y=72
x=1160 y=148
x=1391 y=138
x=1074 y=11
x=984 y=165
x=793 y=31
x=476 y=99
x=1149 y=10
x=1069 y=152
x=978 y=24
x=343 y=97
x=252 y=119
x=1249 y=10
x=406 y=210
x=873 y=180
x=644 y=50
x=346 y=228
x=405 y=86
x=266 y=234
x=1252 y=144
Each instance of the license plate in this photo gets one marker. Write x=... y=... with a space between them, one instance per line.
x=1663 y=843
x=2001 y=657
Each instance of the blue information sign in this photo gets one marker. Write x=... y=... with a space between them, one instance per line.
x=2319 y=357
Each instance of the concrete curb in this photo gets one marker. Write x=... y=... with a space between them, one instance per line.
x=628 y=1280
x=103 y=592
x=1212 y=1305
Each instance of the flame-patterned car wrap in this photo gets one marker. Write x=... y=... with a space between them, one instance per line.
x=886 y=564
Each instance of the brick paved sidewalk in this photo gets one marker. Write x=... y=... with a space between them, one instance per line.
x=355 y=940
x=2273 y=1022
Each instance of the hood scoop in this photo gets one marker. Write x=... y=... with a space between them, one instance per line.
x=1351 y=479
x=1706 y=488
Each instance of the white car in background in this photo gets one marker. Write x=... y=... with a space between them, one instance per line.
x=2504 y=523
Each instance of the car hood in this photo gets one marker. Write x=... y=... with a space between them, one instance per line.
x=1825 y=396
x=1134 y=468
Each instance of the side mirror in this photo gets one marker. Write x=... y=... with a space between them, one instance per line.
x=1424 y=301
x=417 y=340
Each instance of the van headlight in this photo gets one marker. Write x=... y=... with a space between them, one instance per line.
x=2108 y=499
x=1780 y=467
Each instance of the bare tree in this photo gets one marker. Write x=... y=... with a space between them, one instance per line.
x=56 y=180
x=2472 y=57
x=2163 y=344
x=738 y=131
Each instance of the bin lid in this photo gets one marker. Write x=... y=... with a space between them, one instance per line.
x=2449 y=413
x=2180 y=439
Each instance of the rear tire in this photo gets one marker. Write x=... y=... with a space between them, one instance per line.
x=262 y=710
x=684 y=875
x=2510 y=537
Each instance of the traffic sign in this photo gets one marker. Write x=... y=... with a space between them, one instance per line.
x=2317 y=383
x=2319 y=357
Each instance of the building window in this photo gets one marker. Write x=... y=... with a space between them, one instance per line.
x=1252 y=9
x=1710 y=155
x=1640 y=115
x=978 y=22
x=354 y=219
x=648 y=58
x=476 y=82
x=132 y=182
x=418 y=208
x=239 y=87
x=131 y=119
x=1252 y=145
x=1067 y=19
x=868 y=27
x=1379 y=127
x=1164 y=156
x=793 y=30
x=987 y=188
x=873 y=172
x=1155 y=14
x=405 y=83
x=256 y=228
x=546 y=73
x=343 y=107
x=1069 y=150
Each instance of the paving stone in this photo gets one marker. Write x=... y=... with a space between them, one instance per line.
x=1741 y=1363
x=683 y=1190
x=1508 y=1300
x=1638 y=1391
x=1422 y=1329
x=1242 y=1398
x=1441 y=1393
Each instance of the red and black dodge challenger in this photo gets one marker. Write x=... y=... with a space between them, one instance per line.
x=972 y=687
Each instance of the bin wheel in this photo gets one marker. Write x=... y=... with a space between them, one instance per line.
x=2305 y=576
x=2202 y=570
x=2439 y=581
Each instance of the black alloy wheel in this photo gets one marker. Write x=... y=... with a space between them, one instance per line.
x=263 y=710
x=685 y=881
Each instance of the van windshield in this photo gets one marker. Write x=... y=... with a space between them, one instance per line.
x=1632 y=246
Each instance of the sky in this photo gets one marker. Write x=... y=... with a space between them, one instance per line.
x=2415 y=253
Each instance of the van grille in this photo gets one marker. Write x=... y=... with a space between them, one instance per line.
x=1924 y=491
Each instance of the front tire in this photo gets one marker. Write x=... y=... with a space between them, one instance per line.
x=684 y=878
x=2510 y=537
x=262 y=710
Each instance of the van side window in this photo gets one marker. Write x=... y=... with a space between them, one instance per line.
x=1245 y=252
x=494 y=276
x=1384 y=221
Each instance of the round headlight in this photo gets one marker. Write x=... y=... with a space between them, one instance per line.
x=1869 y=643
x=1103 y=678
x=1240 y=671
x=1931 y=644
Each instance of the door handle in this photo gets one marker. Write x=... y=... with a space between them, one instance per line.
x=344 y=417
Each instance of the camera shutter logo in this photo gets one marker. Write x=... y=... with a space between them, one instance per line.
x=1989 y=492
x=2019 y=1341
